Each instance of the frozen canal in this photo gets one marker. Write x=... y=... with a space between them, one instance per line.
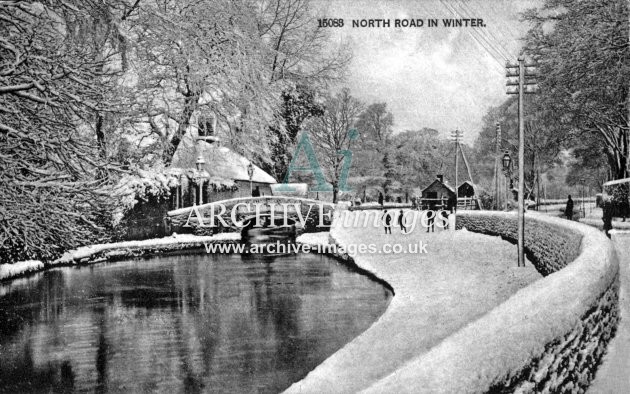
x=193 y=323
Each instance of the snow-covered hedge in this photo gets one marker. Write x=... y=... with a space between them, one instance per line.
x=548 y=337
x=549 y=245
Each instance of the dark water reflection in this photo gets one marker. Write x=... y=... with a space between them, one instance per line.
x=192 y=323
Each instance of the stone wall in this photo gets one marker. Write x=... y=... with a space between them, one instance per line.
x=569 y=363
x=548 y=337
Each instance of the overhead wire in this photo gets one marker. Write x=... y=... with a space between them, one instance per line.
x=470 y=13
x=486 y=46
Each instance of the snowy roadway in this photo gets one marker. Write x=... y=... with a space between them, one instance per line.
x=463 y=276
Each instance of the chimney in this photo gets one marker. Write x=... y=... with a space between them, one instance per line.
x=440 y=178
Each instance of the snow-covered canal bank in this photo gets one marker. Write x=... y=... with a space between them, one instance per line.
x=462 y=276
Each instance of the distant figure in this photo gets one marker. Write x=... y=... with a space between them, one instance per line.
x=401 y=222
x=256 y=192
x=380 y=199
x=607 y=207
x=568 y=211
x=451 y=203
x=387 y=219
x=431 y=219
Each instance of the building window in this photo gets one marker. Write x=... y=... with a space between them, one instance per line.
x=205 y=125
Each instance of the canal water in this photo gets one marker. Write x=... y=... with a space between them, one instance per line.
x=187 y=323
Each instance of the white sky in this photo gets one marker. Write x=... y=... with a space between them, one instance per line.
x=436 y=77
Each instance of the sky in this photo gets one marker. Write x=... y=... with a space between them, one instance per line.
x=439 y=77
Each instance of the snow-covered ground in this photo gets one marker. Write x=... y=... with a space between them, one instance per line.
x=20 y=268
x=462 y=277
x=8 y=271
x=594 y=218
x=314 y=239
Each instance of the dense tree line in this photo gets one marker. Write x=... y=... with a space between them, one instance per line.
x=90 y=90
x=582 y=53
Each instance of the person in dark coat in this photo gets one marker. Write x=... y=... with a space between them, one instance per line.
x=450 y=204
x=387 y=219
x=401 y=222
x=431 y=216
x=380 y=199
x=568 y=211
x=607 y=208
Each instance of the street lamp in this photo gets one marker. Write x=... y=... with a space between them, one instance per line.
x=200 y=162
x=507 y=169
x=199 y=176
x=250 y=173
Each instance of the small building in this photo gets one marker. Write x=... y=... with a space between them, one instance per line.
x=466 y=189
x=467 y=196
x=437 y=192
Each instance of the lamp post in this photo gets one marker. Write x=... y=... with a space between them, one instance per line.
x=250 y=173
x=199 y=176
x=583 y=210
x=507 y=169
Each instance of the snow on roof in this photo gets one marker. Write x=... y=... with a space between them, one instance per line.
x=446 y=185
x=221 y=161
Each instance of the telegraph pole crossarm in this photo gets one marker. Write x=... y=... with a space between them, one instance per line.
x=526 y=84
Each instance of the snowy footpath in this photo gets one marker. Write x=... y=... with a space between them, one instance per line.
x=613 y=376
x=462 y=276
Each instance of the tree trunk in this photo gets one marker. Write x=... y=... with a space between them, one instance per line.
x=100 y=135
x=190 y=103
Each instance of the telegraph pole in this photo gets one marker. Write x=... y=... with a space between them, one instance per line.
x=456 y=136
x=524 y=85
x=497 y=164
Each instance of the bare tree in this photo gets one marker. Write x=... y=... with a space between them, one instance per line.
x=300 y=50
x=199 y=57
x=331 y=134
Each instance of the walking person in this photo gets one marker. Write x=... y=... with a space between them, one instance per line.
x=568 y=211
x=387 y=219
x=380 y=199
x=401 y=222
x=607 y=208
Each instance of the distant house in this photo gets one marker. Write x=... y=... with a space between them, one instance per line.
x=468 y=192
x=466 y=189
x=437 y=192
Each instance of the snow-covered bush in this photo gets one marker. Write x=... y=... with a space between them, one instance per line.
x=618 y=193
x=142 y=186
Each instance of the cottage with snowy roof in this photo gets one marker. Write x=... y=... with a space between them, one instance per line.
x=210 y=172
